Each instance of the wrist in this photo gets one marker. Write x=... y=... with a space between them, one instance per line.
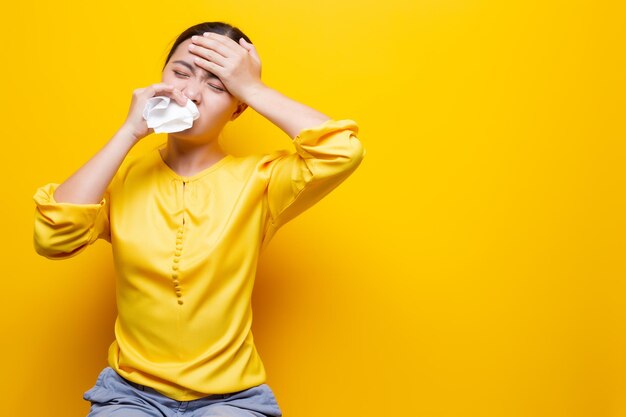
x=252 y=92
x=127 y=134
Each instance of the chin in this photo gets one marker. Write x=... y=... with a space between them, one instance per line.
x=190 y=131
x=191 y=135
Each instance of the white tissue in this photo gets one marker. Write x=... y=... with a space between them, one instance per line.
x=166 y=116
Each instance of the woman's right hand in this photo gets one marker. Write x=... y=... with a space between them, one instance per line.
x=135 y=124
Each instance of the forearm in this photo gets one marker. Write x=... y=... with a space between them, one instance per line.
x=286 y=113
x=89 y=183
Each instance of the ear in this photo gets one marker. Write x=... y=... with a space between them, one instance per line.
x=240 y=109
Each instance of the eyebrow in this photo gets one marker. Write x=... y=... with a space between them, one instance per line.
x=207 y=74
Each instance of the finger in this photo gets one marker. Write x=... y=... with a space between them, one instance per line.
x=179 y=97
x=252 y=51
x=209 y=66
x=225 y=40
x=209 y=55
x=174 y=94
x=159 y=88
x=167 y=90
x=212 y=44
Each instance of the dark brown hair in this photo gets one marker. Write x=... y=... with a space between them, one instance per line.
x=221 y=28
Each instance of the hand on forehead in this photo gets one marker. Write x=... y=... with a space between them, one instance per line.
x=220 y=38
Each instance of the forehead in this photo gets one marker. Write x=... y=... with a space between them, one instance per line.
x=182 y=56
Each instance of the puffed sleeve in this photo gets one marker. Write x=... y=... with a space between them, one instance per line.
x=325 y=156
x=63 y=230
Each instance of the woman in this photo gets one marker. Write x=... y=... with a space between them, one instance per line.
x=186 y=223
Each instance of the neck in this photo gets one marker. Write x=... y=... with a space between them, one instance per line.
x=187 y=158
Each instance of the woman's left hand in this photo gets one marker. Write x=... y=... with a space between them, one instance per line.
x=237 y=65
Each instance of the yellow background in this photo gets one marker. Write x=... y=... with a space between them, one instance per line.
x=472 y=266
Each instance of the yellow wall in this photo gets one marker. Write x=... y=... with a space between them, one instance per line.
x=473 y=265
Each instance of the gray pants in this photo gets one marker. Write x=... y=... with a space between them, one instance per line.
x=114 y=396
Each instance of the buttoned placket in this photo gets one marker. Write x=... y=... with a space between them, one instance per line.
x=180 y=235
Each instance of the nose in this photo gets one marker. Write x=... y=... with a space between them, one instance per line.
x=191 y=91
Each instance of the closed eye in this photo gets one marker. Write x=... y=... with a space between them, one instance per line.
x=210 y=85
x=216 y=87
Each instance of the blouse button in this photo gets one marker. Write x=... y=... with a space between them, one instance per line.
x=174 y=275
x=177 y=253
x=180 y=301
x=175 y=267
x=176 y=282
x=176 y=260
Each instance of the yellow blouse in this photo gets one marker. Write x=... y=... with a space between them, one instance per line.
x=185 y=250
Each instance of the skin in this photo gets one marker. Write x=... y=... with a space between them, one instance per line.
x=238 y=68
x=219 y=99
